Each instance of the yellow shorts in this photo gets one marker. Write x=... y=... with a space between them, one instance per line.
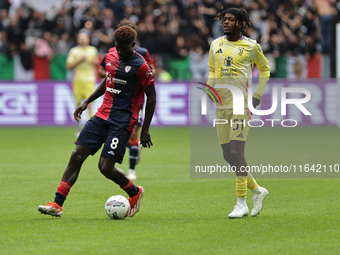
x=82 y=90
x=234 y=127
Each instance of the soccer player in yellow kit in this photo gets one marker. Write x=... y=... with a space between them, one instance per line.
x=83 y=59
x=231 y=59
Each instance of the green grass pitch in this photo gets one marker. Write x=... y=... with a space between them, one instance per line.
x=178 y=215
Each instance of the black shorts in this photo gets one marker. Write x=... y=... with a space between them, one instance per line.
x=98 y=131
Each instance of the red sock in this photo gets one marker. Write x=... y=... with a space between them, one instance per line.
x=130 y=188
x=64 y=188
x=127 y=187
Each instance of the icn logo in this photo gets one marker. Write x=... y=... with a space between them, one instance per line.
x=212 y=93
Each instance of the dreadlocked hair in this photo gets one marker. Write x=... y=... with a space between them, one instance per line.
x=125 y=34
x=127 y=22
x=241 y=15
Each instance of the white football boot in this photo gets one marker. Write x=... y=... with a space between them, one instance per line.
x=132 y=174
x=258 y=201
x=239 y=212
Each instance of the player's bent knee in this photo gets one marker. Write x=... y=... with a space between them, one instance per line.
x=235 y=155
x=105 y=171
x=228 y=158
x=106 y=166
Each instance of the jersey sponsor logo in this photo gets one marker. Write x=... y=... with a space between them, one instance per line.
x=120 y=81
x=148 y=73
x=108 y=64
x=228 y=71
x=109 y=79
x=228 y=61
x=127 y=69
x=240 y=135
x=219 y=51
x=111 y=152
x=240 y=51
x=112 y=90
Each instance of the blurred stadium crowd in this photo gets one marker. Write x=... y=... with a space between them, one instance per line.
x=176 y=32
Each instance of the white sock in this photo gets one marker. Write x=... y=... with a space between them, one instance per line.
x=241 y=201
x=256 y=191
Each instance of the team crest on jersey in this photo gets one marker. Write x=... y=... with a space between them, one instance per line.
x=240 y=51
x=228 y=61
x=127 y=69
x=221 y=44
x=108 y=64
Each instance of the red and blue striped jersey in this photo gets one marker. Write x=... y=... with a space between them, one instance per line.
x=124 y=94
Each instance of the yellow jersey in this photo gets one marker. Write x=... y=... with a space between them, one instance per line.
x=84 y=71
x=231 y=63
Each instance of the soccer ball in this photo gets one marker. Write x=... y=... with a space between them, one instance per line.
x=117 y=207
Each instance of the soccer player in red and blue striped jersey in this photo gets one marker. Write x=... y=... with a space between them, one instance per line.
x=128 y=76
x=133 y=144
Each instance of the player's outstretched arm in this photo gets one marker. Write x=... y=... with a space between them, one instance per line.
x=145 y=137
x=100 y=90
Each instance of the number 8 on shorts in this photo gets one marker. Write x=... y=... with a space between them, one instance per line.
x=114 y=143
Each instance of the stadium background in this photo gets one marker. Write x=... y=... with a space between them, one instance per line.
x=179 y=214
x=298 y=38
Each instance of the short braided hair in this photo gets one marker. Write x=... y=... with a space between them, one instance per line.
x=240 y=14
x=125 y=34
